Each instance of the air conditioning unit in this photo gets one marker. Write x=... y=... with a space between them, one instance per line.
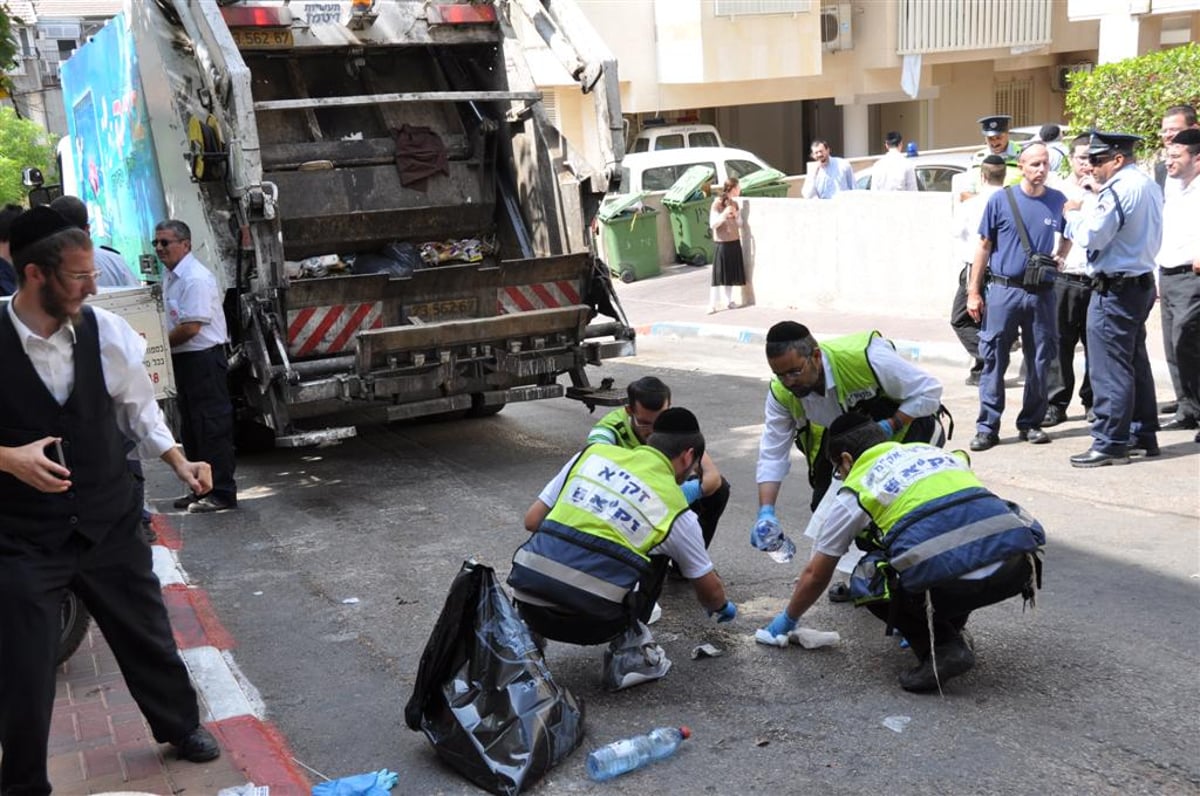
x=837 y=30
x=1061 y=79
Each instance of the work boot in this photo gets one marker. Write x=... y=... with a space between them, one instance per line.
x=953 y=658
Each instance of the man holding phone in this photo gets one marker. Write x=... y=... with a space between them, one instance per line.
x=69 y=513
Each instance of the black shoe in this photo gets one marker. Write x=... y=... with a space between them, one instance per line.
x=972 y=379
x=1034 y=436
x=1197 y=438
x=1168 y=408
x=953 y=658
x=198 y=746
x=1094 y=458
x=839 y=593
x=1140 y=451
x=1091 y=415
x=1054 y=416
x=983 y=441
x=1177 y=423
x=185 y=501
x=210 y=503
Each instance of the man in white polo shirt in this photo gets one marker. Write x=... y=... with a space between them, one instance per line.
x=197 y=334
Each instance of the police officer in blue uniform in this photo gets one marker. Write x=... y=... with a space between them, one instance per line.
x=1018 y=223
x=1122 y=233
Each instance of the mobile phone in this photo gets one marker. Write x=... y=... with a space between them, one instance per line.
x=58 y=453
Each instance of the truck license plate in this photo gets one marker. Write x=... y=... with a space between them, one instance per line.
x=262 y=38
x=450 y=309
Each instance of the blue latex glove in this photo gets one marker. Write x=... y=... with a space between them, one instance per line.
x=374 y=783
x=886 y=425
x=766 y=513
x=691 y=490
x=781 y=625
x=725 y=613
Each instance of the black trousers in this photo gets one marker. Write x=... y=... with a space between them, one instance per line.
x=202 y=379
x=115 y=579
x=953 y=602
x=966 y=329
x=709 y=509
x=1071 y=304
x=1179 y=299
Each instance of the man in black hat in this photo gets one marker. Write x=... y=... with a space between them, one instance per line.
x=603 y=531
x=1179 y=277
x=968 y=214
x=1122 y=233
x=75 y=389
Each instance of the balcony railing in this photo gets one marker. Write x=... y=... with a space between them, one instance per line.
x=933 y=26
x=735 y=8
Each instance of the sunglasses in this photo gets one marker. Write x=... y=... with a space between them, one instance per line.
x=1096 y=160
x=162 y=243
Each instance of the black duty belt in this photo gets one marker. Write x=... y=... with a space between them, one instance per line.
x=1115 y=283
x=1186 y=268
x=1078 y=279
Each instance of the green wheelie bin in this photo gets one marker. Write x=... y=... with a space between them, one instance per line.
x=630 y=235
x=764 y=182
x=689 y=207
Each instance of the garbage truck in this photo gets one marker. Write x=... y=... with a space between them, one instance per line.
x=399 y=229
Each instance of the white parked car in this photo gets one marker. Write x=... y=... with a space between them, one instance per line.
x=658 y=171
x=934 y=172
x=675 y=136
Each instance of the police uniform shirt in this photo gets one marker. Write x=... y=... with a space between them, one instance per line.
x=1181 y=227
x=1043 y=217
x=192 y=296
x=122 y=351
x=114 y=271
x=897 y=377
x=1122 y=250
x=684 y=544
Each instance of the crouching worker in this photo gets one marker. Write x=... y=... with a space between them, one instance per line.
x=939 y=546
x=604 y=530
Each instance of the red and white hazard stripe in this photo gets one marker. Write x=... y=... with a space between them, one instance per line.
x=538 y=296
x=328 y=330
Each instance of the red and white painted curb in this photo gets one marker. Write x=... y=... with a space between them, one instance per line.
x=231 y=706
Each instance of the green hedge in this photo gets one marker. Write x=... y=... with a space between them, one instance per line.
x=1130 y=96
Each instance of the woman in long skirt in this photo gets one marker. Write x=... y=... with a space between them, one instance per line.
x=729 y=270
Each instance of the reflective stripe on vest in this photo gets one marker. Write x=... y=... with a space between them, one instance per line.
x=569 y=575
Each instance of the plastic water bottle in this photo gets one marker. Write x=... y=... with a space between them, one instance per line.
x=618 y=757
x=769 y=537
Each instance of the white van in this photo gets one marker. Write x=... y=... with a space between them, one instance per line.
x=658 y=171
x=675 y=136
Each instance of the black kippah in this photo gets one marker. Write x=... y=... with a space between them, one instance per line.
x=787 y=332
x=847 y=422
x=1188 y=137
x=994 y=160
x=35 y=225
x=676 y=420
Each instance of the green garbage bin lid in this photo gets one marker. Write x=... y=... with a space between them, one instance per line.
x=758 y=179
x=618 y=204
x=688 y=185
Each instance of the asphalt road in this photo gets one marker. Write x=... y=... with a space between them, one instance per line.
x=1095 y=691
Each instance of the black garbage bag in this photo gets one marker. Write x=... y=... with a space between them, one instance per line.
x=484 y=697
x=395 y=259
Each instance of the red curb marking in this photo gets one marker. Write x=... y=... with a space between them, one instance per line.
x=261 y=753
x=166 y=534
x=193 y=619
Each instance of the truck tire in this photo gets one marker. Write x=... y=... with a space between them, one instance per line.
x=479 y=409
x=628 y=274
x=73 y=625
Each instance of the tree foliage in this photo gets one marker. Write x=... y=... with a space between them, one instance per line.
x=22 y=143
x=8 y=46
x=1130 y=96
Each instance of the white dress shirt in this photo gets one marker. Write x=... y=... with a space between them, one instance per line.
x=893 y=172
x=1181 y=226
x=192 y=296
x=122 y=351
x=920 y=394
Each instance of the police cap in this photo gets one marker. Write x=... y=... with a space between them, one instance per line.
x=1112 y=143
x=994 y=125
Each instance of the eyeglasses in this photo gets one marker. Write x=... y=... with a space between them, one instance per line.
x=794 y=373
x=90 y=276
x=162 y=243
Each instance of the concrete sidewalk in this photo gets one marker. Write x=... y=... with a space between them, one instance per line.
x=100 y=743
x=676 y=304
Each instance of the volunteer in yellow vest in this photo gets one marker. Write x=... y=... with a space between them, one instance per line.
x=940 y=546
x=628 y=427
x=814 y=384
x=603 y=531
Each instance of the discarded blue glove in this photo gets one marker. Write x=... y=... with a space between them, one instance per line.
x=781 y=625
x=725 y=613
x=691 y=490
x=374 y=783
x=886 y=425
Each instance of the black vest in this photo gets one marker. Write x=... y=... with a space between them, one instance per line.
x=102 y=490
